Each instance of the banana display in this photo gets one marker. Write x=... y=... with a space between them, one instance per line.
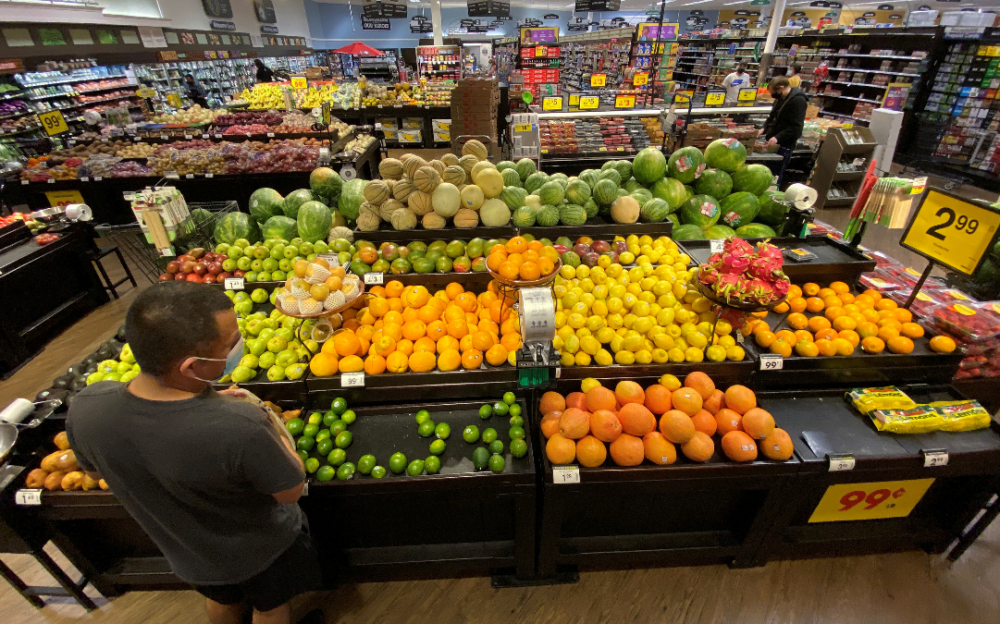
x=348 y=95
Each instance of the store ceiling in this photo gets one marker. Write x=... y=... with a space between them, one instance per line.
x=642 y=5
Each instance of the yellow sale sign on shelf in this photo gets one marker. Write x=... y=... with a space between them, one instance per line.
x=598 y=80
x=589 y=102
x=552 y=103
x=951 y=231
x=715 y=98
x=53 y=122
x=640 y=79
x=63 y=198
x=870 y=501
x=574 y=99
x=299 y=82
x=625 y=101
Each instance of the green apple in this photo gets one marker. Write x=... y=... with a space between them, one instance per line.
x=261 y=252
x=235 y=253
x=285 y=333
x=279 y=276
x=319 y=247
x=126 y=355
x=95 y=377
x=257 y=346
x=259 y=295
x=273 y=297
x=295 y=371
x=288 y=321
x=230 y=294
x=243 y=308
x=311 y=257
x=222 y=248
x=296 y=241
x=254 y=327
x=303 y=354
x=242 y=324
x=115 y=376
x=264 y=276
x=257 y=265
x=269 y=264
x=241 y=242
x=290 y=252
x=286 y=358
x=129 y=376
x=307 y=248
x=241 y=296
x=243 y=373
x=266 y=333
x=250 y=361
x=258 y=315
x=271 y=323
x=285 y=264
x=229 y=265
x=244 y=263
x=276 y=373
x=277 y=344
x=266 y=360
x=278 y=251
x=312 y=346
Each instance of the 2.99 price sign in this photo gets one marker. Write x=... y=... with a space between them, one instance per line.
x=870 y=501
x=951 y=231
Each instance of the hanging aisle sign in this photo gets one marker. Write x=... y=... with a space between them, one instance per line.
x=384 y=8
x=951 y=231
x=375 y=23
x=488 y=8
x=586 y=6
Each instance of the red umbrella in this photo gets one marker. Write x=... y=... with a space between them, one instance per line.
x=359 y=49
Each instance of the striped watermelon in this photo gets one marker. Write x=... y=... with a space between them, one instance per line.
x=641 y=195
x=686 y=164
x=513 y=196
x=503 y=165
x=654 y=211
x=523 y=217
x=551 y=192
x=606 y=192
x=547 y=216
x=752 y=178
x=611 y=174
x=632 y=185
x=590 y=176
x=590 y=208
x=574 y=214
x=525 y=167
x=535 y=181
x=649 y=165
x=714 y=182
x=738 y=209
x=510 y=177
x=577 y=192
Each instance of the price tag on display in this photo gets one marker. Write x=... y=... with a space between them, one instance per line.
x=53 y=122
x=841 y=463
x=522 y=127
x=716 y=245
x=352 y=380
x=574 y=99
x=590 y=102
x=552 y=103
x=624 y=101
x=848 y=125
x=640 y=79
x=299 y=82
x=28 y=497
x=598 y=80
x=681 y=98
x=373 y=278
x=746 y=97
x=935 y=458
x=562 y=475
x=715 y=99
x=64 y=198
x=870 y=501
x=771 y=362
x=951 y=231
x=234 y=283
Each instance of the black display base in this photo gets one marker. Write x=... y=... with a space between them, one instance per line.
x=508 y=581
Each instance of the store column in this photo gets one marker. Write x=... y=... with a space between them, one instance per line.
x=777 y=11
x=436 y=21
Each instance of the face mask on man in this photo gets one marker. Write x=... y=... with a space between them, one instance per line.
x=232 y=360
x=788 y=72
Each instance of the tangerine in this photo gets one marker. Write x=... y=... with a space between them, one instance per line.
x=472 y=359
x=826 y=347
x=323 y=364
x=605 y=426
x=629 y=392
x=397 y=362
x=517 y=244
x=740 y=398
x=658 y=449
x=687 y=400
x=818 y=323
x=839 y=287
x=715 y=402
x=797 y=304
x=705 y=422
x=346 y=343
x=903 y=315
x=658 y=399
x=728 y=420
x=636 y=419
x=815 y=304
x=590 y=452
x=699 y=448
x=782 y=348
x=738 y=446
x=942 y=344
x=810 y=289
x=560 y=450
x=627 y=450
x=797 y=320
x=900 y=344
x=530 y=271
x=375 y=364
x=758 y=423
x=872 y=344
x=449 y=360
x=806 y=348
x=677 y=426
x=496 y=355
x=777 y=446
x=422 y=361
x=850 y=336
x=700 y=383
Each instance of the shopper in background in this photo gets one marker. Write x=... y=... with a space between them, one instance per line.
x=263 y=73
x=794 y=78
x=209 y=477
x=735 y=81
x=788 y=114
x=195 y=91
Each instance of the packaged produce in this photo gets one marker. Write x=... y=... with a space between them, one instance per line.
x=967 y=321
x=867 y=400
x=880 y=281
x=919 y=419
x=962 y=415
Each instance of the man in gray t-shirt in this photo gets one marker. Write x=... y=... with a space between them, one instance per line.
x=207 y=476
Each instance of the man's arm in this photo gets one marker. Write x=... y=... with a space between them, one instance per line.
x=270 y=464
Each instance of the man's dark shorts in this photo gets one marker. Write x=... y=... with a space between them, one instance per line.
x=294 y=572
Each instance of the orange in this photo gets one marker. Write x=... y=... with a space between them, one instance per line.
x=844 y=322
x=700 y=448
x=826 y=334
x=627 y=450
x=574 y=423
x=677 y=426
x=728 y=420
x=942 y=344
x=899 y=344
x=346 y=343
x=472 y=359
x=414 y=329
x=447 y=343
x=740 y=398
x=591 y=452
x=872 y=344
x=818 y=323
x=323 y=364
x=839 y=287
x=832 y=301
x=873 y=294
x=449 y=360
x=846 y=298
x=429 y=313
x=397 y=362
x=886 y=304
x=535 y=245
x=605 y=425
x=758 y=423
x=482 y=341
x=436 y=330
x=467 y=301
x=887 y=333
x=601 y=398
x=786 y=335
x=715 y=402
x=511 y=342
x=424 y=344
x=384 y=345
x=392 y=318
x=658 y=399
x=794 y=291
x=629 y=392
x=658 y=449
x=375 y=364
x=546 y=266
x=797 y=320
x=351 y=364
x=508 y=270
x=806 y=348
x=826 y=347
x=560 y=450
x=705 y=422
x=530 y=271
x=552 y=402
x=867 y=329
x=903 y=315
x=814 y=304
x=453 y=313
x=530 y=256
x=864 y=301
x=834 y=312
x=850 y=336
x=499 y=249
x=550 y=424
x=738 y=446
x=454 y=289
x=810 y=289
x=494 y=261
x=416 y=296
x=782 y=348
x=781 y=308
x=496 y=355
x=777 y=446
x=516 y=258
x=489 y=327
x=517 y=244
x=765 y=339
x=844 y=346
x=378 y=307
x=457 y=329
x=890 y=322
x=803 y=335
x=393 y=289
x=912 y=330
x=797 y=304
x=636 y=419
x=422 y=361
x=700 y=383
x=825 y=292
x=687 y=400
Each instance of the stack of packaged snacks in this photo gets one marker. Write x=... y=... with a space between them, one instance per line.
x=892 y=410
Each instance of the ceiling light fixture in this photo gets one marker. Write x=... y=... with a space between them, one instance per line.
x=698 y=2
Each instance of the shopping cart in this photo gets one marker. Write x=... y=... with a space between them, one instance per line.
x=140 y=255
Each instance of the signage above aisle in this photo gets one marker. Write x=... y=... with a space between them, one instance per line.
x=489 y=8
x=385 y=8
x=585 y=6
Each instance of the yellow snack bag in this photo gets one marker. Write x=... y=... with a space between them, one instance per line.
x=867 y=400
x=962 y=415
x=920 y=419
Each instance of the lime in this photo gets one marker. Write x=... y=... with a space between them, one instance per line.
x=437 y=447
x=471 y=434
x=497 y=464
x=496 y=447
x=295 y=426
x=329 y=418
x=516 y=421
x=315 y=418
x=303 y=454
x=326 y=473
x=509 y=398
x=324 y=446
x=426 y=429
x=378 y=472
x=416 y=468
x=344 y=439
x=443 y=430
x=322 y=434
x=349 y=416
x=485 y=412
x=305 y=443
x=397 y=463
x=339 y=405
x=516 y=433
x=500 y=408
x=489 y=435
x=518 y=448
x=336 y=457
x=432 y=465
x=310 y=430
x=312 y=465
x=515 y=410
x=345 y=472
x=337 y=427
x=366 y=464
x=423 y=416
x=480 y=458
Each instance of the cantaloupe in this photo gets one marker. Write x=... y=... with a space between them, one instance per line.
x=403 y=219
x=376 y=192
x=433 y=221
x=391 y=169
x=401 y=190
x=475 y=148
x=420 y=203
x=410 y=166
x=454 y=175
x=465 y=218
x=426 y=179
x=625 y=210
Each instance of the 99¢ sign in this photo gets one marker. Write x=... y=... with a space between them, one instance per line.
x=951 y=231
x=870 y=501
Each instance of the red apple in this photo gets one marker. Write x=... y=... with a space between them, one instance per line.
x=194 y=277
x=187 y=266
x=180 y=277
x=200 y=269
x=208 y=279
x=173 y=266
x=166 y=277
x=186 y=258
x=239 y=273
x=223 y=276
x=215 y=268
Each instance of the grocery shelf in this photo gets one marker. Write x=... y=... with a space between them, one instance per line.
x=71 y=80
x=651 y=112
x=845 y=97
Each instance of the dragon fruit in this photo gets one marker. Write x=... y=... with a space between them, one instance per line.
x=708 y=274
x=737 y=247
x=764 y=268
x=760 y=291
x=741 y=274
x=730 y=286
x=767 y=250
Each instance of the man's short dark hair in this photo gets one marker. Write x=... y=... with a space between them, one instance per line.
x=171 y=321
x=796 y=68
x=776 y=83
x=742 y=66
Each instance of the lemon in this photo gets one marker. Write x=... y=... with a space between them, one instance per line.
x=559 y=289
x=633 y=239
x=707 y=317
x=616 y=343
x=615 y=321
x=697 y=340
x=726 y=341
x=705 y=328
x=580 y=308
x=587 y=285
x=560 y=319
x=570 y=299
x=589 y=383
x=601 y=292
x=647 y=297
x=701 y=304
x=681 y=316
x=567 y=271
x=605 y=334
x=691 y=296
x=693 y=354
x=582 y=271
x=629 y=300
x=640 y=309
x=683 y=259
x=592 y=345
x=665 y=317
x=645 y=239
x=582 y=359
x=679 y=290
x=576 y=321
x=572 y=344
x=615 y=305
x=643 y=356
x=680 y=343
x=595 y=323
x=629 y=320
x=670 y=382
x=588 y=299
x=604 y=358
x=583 y=331
x=557 y=343
x=614 y=270
x=661 y=287
x=676 y=355
x=687 y=328
x=564 y=331
x=634 y=289
x=643 y=324
x=634 y=249
x=663 y=341
x=604 y=261
x=599 y=309
x=625 y=357
x=660 y=356
x=735 y=353
x=674 y=331
x=633 y=341
x=626 y=257
x=715 y=353
x=723 y=328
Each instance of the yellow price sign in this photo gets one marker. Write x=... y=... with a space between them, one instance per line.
x=951 y=231
x=145 y=93
x=747 y=96
x=598 y=80
x=715 y=98
x=522 y=127
x=552 y=103
x=590 y=102
x=53 y=122
x=640 y=79
x=870 y=501
x=574 y=99
x=299 y=82
x=625 y=101
x=683 y=97
x=63 y=198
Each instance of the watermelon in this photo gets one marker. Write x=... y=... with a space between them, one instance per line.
x=685 y=164
x=510 y=177
x=755 y=230
x=753 y=179
x=719 y=231
x=772 y=208
x=590 y=176
x=688 y=232
x=314 y=221
x=535 y=181
x=559 y=176
x=673 y=218
x=738 y=209
x=525 y=167
x=236 y=225
x=523 y=217
x=281 y=227
x=700 y=210
x=649 y=165
x=504 y=165
x=551 y=192
x=266 y=203
x=670 y=191
x=988 y=272
x=623 y=167
x=654 y=211
x=577 y=192
x=632 y=185
x=689 y=192
x=610 y=174
x=295 y=200
x=547 y=216
x=725 y=154
x=590 y=208
x=605 y=192
x=513 y=196
x=203 y=218
x=326 y=183
x=714 y=182
x=351 y=198
x=574 y=214
x=642 y=195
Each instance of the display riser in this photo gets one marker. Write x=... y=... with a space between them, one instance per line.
x=595 y=228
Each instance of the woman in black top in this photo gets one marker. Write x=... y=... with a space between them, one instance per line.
x=263 y=73
x=195 y=91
